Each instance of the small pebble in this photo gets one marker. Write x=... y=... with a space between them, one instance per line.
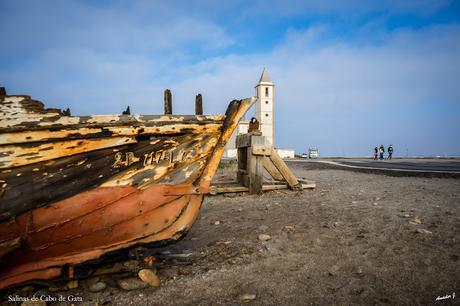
x=264 y=237
x=96 y=287
x=131 y=283
x=289 y=228
x=183 y=271
x=73 y=284
x=415 y=220
x=248 y=297
x=217 y=223
x=149 y=277
x=423 y=231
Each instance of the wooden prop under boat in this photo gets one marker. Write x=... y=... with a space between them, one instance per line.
x=75 y=188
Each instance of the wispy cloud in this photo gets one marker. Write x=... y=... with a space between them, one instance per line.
x=341 y=85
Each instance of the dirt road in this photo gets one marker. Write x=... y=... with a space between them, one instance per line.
x=357 y=239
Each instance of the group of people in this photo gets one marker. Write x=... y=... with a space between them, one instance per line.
x=380 y=151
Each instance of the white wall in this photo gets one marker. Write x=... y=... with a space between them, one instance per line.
x=263 y=109
x=286 y=153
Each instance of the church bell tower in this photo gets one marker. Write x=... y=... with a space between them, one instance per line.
x=265 y=92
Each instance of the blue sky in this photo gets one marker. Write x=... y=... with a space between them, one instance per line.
x=349 y=75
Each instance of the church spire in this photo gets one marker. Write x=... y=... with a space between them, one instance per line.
x=264 y=77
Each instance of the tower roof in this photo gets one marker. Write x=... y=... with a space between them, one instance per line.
x=264 y=77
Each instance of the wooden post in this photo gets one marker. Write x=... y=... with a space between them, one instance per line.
x=250 y=166
x=242 y=172
x=198 y=105
x=127 y=111
x=256 y=168
x=272 y=170
x=168 y=102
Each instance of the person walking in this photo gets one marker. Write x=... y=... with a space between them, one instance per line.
x=390 y=151
x=382 y=151
x=376 y=153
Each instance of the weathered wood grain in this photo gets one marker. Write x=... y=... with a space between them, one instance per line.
x=63 y=134
x=55 y=231
x=168 y=102
x=25 y=154
x=198 y=105
x=285 y=171
x=271 y=169
x=22 y=113
x=233 y=115
x=142 y=163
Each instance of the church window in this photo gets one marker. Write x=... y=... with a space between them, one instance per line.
x=266 y=91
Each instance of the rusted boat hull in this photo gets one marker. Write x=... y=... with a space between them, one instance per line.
x=133 y=181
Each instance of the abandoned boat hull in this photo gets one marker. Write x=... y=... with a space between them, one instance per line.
x=74 y=189
x=123 y=218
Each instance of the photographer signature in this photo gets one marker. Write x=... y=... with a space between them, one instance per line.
x=445 y=297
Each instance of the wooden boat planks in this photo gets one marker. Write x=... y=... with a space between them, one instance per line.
x=142 y=163
x=23 y=260
x=133 y=195
x=67 y=133
x=21 y=113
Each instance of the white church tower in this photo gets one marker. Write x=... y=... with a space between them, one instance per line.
x=265 y=92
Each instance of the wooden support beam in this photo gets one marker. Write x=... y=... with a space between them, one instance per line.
x=227 y=189
x=261 y=150
x=247 y=140
x=216 y=189
x=272 y=170
x=168 y=102
x=253 y=156
x=198 y=105
x=285 y=171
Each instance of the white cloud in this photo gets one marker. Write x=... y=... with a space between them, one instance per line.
x=330 y=92
x=340 y=91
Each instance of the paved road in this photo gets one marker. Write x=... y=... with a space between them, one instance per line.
x=449 y=165
x=427 y=165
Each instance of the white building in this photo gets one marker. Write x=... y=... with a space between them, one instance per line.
x=265 y=92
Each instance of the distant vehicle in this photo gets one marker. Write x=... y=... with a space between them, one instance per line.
x=313 y=153
x=304 y=155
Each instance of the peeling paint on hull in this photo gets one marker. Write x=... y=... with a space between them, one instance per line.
x=75 y=188
x=140 y=216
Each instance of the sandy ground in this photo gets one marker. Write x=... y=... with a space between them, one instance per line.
x=350 y=241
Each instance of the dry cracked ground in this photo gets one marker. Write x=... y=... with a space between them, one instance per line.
x=357 y=238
